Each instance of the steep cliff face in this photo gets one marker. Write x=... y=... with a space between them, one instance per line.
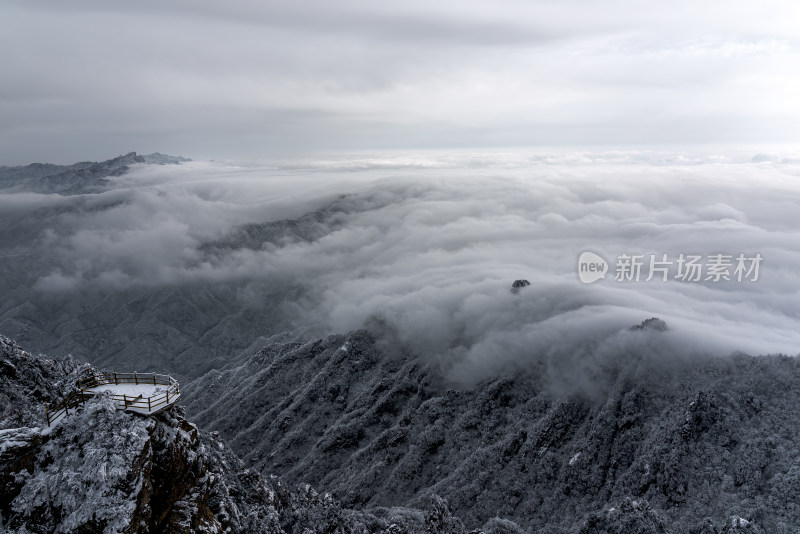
x=103 y=470
x=693 y=444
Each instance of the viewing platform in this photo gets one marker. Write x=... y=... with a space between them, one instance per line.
x=146 y=394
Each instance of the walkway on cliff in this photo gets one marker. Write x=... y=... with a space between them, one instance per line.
x=146 y=394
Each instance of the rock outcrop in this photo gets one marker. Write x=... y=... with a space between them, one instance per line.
x=518 y=285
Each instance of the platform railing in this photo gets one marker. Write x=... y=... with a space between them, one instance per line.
x=140 y=404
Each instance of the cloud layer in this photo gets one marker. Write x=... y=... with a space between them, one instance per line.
x=422 y=249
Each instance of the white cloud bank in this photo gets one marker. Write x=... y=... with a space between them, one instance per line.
x=423 y=249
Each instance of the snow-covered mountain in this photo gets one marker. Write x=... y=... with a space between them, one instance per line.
x=462 y=405
x=104 y=470
x=725 y=464
x=702 y=442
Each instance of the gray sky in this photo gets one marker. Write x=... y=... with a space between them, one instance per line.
x=90 y=79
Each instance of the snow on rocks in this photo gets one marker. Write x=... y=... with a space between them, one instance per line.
x=108 y=470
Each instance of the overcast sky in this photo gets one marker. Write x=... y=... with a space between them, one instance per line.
x=90 y=79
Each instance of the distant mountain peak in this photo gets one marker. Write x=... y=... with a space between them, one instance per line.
x=78 y=178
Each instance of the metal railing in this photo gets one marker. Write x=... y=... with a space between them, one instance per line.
x=140 y=404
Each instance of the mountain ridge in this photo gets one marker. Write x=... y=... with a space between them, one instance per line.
x=376 y=430
x=105 y=470
x=79 y=178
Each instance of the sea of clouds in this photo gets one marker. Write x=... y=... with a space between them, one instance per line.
x=422 y=248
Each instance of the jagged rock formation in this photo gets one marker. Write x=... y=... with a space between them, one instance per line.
x=710 y=438
x=79 y=178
